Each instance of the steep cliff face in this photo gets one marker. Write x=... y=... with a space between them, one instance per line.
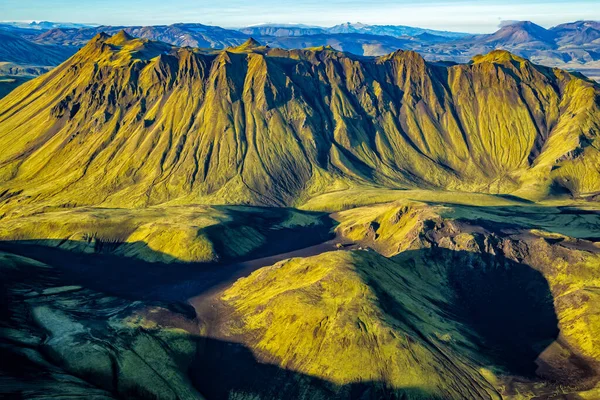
x=132 y=122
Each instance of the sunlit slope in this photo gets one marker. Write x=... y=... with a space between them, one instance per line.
x=456 y=304
x=170 y=234
x=351 y=317
x=130 y=122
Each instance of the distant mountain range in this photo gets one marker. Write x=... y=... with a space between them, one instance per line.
x=572 y=46
x=380 y=30
x=192 y=35
x=43 y=25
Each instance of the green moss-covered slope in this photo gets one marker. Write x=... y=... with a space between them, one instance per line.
x=460 y=305
x=324 y=316
x=170 y=234
x=131 y=122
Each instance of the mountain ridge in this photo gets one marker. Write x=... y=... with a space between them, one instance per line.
x=572 y=46
x=142 y=122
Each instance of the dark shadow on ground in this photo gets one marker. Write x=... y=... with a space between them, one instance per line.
x=571 y=221
x=219 y=369
x=266 y=221
x=136 y=279
x=508 y=305
x=222 y=369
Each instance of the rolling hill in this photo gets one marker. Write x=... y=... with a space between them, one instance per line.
x=461 y=296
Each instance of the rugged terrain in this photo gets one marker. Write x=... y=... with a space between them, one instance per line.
x=260 y=223
x=487 y=298
x=573 y=46
x=137 y=122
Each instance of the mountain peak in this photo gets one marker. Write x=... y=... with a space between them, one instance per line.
x=354 y=24
x=249 y=44
x=100 y=37
x=522 y=32
x=497 y=57
x=120 y=37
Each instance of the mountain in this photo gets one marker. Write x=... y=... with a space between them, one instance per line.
x=521 y=34
x=570 y=46
x=282 y=30
x=194 y=35
x=357 y=28
x=391 y=30
x=22 y=32
x=135 y=122
x=21 y=60
x=577 y=33
x=361 y=44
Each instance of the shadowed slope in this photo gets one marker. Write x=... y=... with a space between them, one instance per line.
x=172 y=234
x=465 y=307
x=401 y=337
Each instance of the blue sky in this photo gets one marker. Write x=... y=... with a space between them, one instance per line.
x=457 y=15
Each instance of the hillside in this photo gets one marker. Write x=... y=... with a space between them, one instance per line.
x=261 y=223
x=456 y=296
x=21 y=60
x=117 y=125
x=15 y=49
